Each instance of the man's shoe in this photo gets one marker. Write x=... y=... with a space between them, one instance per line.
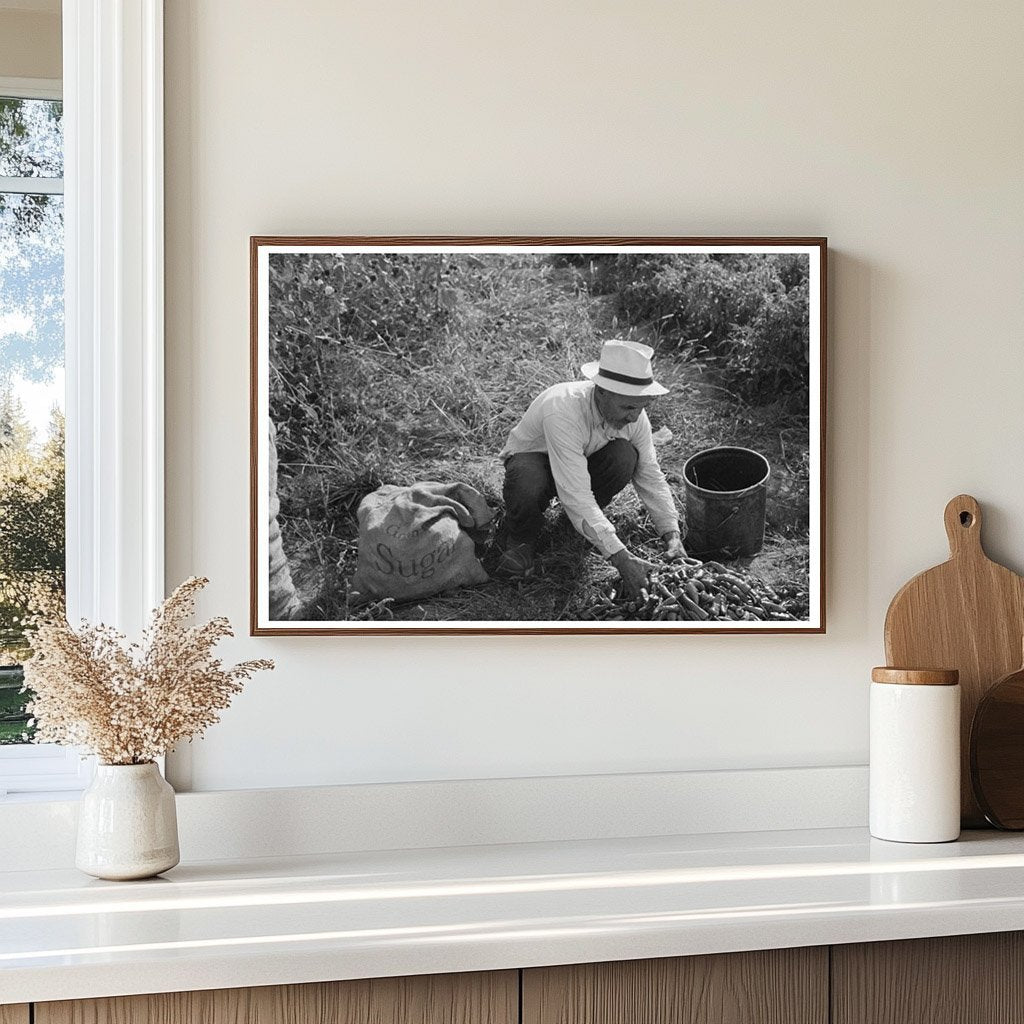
x=516 y=562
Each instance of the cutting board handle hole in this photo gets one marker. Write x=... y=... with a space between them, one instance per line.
x=966 y=519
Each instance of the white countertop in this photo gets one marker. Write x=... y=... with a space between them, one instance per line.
x=226 y=924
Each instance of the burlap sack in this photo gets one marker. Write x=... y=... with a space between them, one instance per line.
x=413 y=541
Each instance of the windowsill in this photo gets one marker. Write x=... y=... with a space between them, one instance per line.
x=289 y=920
x=42 y=772
x=39 y=833
x=40 y=798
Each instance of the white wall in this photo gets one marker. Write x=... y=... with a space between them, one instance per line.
x=894 y=129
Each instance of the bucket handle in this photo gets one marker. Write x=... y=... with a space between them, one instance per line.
x=734 y=512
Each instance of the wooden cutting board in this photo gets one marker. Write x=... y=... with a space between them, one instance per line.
x=967 y=614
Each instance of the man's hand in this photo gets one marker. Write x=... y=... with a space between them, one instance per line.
x=673 y=545
x=633 y=571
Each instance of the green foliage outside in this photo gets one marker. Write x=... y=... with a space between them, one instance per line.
x=394 y=368
x=31 y=544
x=13 y=723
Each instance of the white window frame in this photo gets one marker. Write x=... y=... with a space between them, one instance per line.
x=32 y=88
x=114 y=265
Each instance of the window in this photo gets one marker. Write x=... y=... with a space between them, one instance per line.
x=113 y=333
x=113 y=311
x=32 y=533
x=31 y=379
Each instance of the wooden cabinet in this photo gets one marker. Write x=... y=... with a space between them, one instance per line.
x=481 y=998
x=967 y=979
x=777 y=986
x=962 y=979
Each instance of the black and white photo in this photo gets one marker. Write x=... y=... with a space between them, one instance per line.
x=537 y=435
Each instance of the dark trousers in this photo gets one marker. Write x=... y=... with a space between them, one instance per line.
x=529 y=485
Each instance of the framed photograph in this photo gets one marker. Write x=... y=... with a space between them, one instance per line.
x=537 y=435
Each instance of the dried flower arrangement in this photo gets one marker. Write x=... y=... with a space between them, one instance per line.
x=129 y=704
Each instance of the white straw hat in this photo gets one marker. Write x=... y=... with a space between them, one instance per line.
x=625 y=368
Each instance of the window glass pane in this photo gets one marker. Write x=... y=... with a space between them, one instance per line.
x=31 y=138
x=31 y=431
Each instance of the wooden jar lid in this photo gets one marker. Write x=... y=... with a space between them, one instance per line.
x=916 y=676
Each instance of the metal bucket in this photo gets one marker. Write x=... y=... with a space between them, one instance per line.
x=726 y=489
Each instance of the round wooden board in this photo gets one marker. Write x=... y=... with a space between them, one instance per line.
x=997 y=752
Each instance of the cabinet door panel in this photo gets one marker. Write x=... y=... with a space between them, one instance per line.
x=14 y=1014
x=960 y=979
x=778 y=986
x=481 y=998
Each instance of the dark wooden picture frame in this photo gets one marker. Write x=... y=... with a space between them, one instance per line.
x=392 y=360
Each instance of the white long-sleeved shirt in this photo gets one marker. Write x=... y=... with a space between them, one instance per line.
x=563 y=422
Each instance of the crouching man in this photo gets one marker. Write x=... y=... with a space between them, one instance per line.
x=584 y=441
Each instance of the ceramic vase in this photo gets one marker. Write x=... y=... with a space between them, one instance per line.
x=127 y=825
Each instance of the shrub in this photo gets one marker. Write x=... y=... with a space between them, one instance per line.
x=746 y=315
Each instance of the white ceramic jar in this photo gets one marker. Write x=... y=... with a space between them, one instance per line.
x=915 y=755
x=127 y=823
